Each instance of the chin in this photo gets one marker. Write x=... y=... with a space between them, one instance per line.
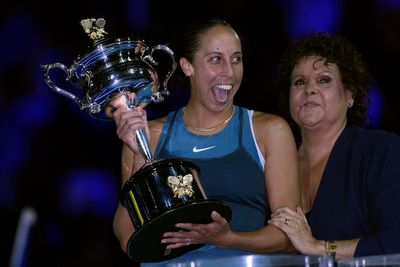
x=309 y=126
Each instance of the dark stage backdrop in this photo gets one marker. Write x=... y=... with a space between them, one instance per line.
x=66 y=166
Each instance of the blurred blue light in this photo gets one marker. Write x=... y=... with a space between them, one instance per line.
x=28 y=109
x=89 y=191
x=138 y=14
x=375 y=108
x=311 y=15
x=390 y=4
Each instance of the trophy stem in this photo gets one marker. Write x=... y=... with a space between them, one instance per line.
x=143 y=143
x=141 y=136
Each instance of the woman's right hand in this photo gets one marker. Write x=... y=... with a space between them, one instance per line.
x=294 y=224
x=128 y=120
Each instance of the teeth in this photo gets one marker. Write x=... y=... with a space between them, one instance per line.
x=225 y=86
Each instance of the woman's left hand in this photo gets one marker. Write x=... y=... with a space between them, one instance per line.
x=192 y=233
x=296 y=227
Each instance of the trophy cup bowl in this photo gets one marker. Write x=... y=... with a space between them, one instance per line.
x=110 y=67
x=162 y=192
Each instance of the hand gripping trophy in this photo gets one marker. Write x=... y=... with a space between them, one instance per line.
x=163 y=191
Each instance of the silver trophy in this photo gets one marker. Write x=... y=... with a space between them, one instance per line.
x=163 y=191
x=111 y=67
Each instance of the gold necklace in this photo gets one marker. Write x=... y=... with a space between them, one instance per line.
x=211 y=128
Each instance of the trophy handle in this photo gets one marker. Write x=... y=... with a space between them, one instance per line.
x=148 y=58
x=141 y=136
x=52 y=85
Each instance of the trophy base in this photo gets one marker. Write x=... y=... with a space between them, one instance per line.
x=145 y=244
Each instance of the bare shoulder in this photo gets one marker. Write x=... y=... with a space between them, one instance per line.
x=267 y=123
x=271 y=132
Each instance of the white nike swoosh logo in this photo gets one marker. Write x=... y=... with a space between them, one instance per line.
x=196 y=150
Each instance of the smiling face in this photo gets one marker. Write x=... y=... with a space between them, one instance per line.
x=317 y=96
x=216 y=70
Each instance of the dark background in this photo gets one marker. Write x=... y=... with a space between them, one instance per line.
x=57 y=160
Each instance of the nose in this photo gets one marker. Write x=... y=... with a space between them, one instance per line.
x=311 y=89
x=227 y=69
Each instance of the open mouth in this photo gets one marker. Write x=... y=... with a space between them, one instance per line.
x=221 y=92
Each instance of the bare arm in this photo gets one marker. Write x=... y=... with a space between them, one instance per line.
x=122 y=224
x=276 y=142
x=127 y=122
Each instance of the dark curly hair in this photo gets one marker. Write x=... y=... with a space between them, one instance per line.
x=334 y=49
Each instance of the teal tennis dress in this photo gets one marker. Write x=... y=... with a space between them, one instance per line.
x=231 y=170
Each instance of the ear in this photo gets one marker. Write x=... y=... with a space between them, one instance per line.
x=186 y=66
x=349 y=98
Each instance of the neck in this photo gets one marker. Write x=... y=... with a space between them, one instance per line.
x=319 y=142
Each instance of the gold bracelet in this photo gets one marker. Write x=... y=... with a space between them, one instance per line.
x=330 y=248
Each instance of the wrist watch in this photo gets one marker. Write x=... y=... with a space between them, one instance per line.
x=330 y=248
